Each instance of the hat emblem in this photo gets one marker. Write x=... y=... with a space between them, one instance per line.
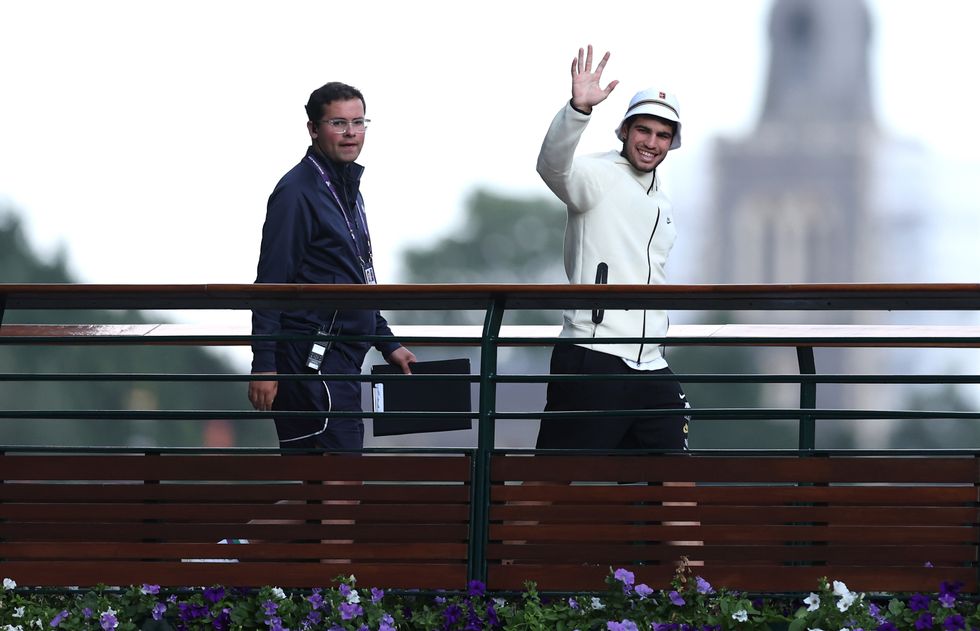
x=663 y=95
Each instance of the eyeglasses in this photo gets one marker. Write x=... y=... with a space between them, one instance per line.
x=341 y=125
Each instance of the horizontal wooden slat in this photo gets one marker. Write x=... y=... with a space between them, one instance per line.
x=104 y=513
x=744 y=534
x=916 y=555
x=233 y=467
x=757 y=469
x=230 y=492
x=214 y=532
x=734 y=515
x=896 y=495
x=264 y=551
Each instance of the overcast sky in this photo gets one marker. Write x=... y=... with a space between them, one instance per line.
x=145 y=137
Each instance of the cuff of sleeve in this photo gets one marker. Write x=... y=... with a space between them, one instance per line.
x=387 y=348
x=578 y=110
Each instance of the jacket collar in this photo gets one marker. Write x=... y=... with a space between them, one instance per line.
x=648 y=180
x=346 y=172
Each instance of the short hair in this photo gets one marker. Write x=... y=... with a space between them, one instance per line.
x=328 y=93
x=628 y=123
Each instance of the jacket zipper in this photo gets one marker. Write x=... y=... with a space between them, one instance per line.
x=656 y=223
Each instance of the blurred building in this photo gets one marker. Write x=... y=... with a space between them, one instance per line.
x=816 y=193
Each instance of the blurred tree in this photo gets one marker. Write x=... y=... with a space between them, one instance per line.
x=20 y=264
x=502 y=240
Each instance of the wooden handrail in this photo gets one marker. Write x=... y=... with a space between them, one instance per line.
x=815 y=335
x=857 y=296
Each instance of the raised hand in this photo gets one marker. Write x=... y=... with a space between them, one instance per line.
x=586 y=91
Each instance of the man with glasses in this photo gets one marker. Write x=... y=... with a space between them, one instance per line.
x=316 y=232
x=620 y=230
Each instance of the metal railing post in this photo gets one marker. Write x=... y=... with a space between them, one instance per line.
x=808 y=398
x=480 y=506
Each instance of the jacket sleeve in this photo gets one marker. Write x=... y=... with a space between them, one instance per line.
x=285 y=234
x=569 y=179
x=382 y=328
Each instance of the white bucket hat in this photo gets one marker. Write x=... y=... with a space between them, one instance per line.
x=654 y=102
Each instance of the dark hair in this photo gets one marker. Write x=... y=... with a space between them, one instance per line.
x=326 y=94
x=628 y=123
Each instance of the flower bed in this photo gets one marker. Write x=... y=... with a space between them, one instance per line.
x=689 y=604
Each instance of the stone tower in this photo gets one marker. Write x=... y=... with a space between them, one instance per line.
x=815 y=194
x=791 y=199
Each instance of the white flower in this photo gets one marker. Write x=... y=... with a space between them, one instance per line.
x=814 y=629
x=9 y=583
x=278 y=593
x=18 y=612
x=109 y=612
x=597 y=604
x=11 y=627
x=813 y=600
x=353 y=597
x=847 y=597
x=740 y=616
x=37 y=623
x=844 y=629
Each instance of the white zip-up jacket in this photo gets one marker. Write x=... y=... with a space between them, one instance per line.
x=617 y=216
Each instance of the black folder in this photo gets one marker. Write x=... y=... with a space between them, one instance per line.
x=408 y=395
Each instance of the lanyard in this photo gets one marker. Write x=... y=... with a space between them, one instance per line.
x=365 y=265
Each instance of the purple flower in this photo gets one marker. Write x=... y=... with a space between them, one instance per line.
x=316 y=600
x=344 y=590
x=191 y=611
x=59 y=618
x=875 y=612
x=451 y=615
x=214 y=594
x=928 y=564
x=492 y=618
x=703 y=586
x=153 y=590
x=676 y=598
x=476 y=588
x=378 y=594
x=948 y=600
x=87 y=613
x=887 y=626
x=954 y=623
x=624 y=576
x=158 y=610
x=108 y=620
x=924 y=621
x=573 y=604
x=643 y=590
x=349 y=611
x=387 y=623
x=275 y=624
x=314 y=618
x=950 y=588
x=269 y=608
x=918 y=602
x=222 y=621
x=625 y=625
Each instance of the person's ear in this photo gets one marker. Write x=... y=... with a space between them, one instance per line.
x=311 y=127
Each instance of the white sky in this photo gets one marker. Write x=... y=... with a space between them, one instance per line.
x=146 y=136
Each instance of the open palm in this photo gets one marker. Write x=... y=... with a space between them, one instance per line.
x=586 y=88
